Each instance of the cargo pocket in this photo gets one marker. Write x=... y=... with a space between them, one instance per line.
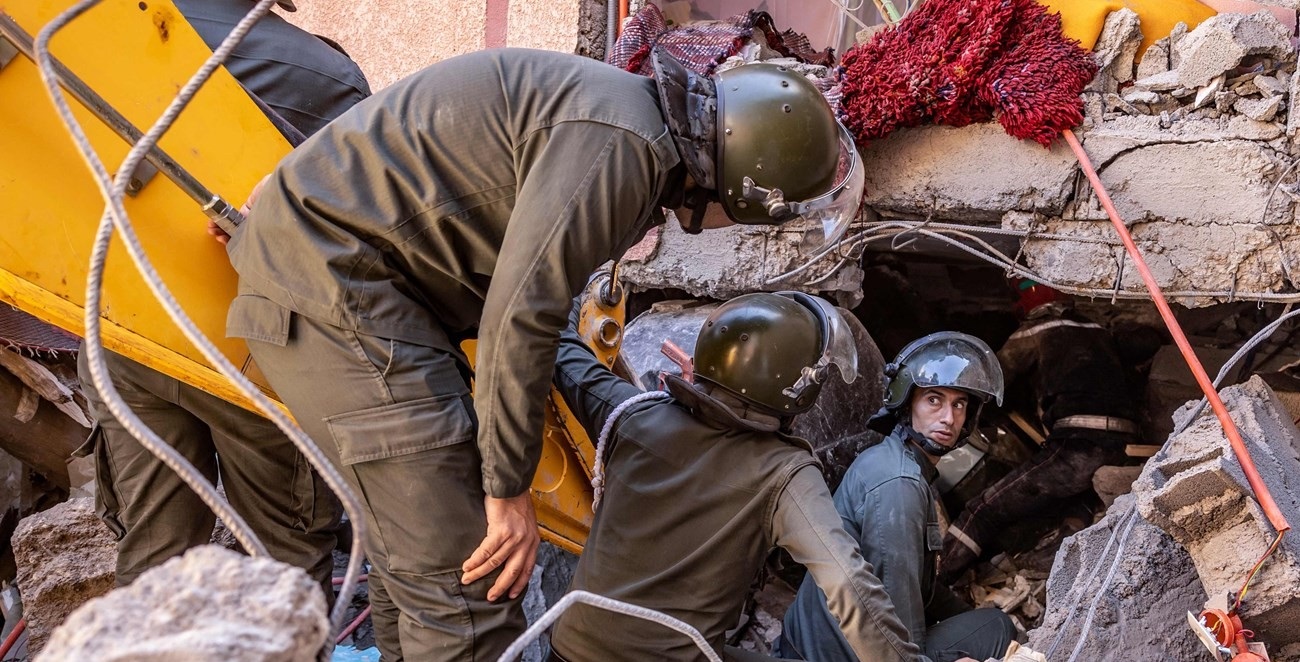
x=401 y=429
x=107 y=504
x=420 y=476
x=255 y=317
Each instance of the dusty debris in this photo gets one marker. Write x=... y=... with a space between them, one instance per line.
x=65 y=557
x=1195 y=490
x=1260 y=110
x=1116 y=50
x=1221 y=42
x=210 y=604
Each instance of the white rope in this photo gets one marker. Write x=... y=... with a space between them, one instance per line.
x=115 y=216
x=609 y=604
x=598 y=471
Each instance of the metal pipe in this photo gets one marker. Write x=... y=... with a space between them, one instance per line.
x=213 y=205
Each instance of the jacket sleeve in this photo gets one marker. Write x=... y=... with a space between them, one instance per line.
x=807 y=526
x=891 y=519
x=584 y=187
x=1018 y=355
x=591 y=390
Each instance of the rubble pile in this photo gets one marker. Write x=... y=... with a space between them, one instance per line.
x=1190 y=534
x=209 y=604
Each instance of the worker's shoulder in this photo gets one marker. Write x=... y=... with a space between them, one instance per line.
x=881 y=464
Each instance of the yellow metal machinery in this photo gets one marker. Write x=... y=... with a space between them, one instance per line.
x=129 y=58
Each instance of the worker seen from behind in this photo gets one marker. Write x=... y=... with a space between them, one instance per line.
x=1086 y=403
x=472 y=199
x=936 y=388
x=153 y=514
x=701 y=483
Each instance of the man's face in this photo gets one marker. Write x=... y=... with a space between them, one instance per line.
x=939 y=413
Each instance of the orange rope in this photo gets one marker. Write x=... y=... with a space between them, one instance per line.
x=1266 y=502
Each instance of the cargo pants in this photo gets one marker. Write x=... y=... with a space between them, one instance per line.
x=397 y=420
x=156 y=516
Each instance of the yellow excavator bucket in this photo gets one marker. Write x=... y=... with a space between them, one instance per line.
x=1084 y=19
x=133 y=56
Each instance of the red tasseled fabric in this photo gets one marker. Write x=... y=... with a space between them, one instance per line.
x=956 y=62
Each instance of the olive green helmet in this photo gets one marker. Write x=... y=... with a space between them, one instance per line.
x=763 y=142
x=775 y=350
x=947 y=359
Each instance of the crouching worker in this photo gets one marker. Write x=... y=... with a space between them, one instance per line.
x=701 y=482
x=937 y=386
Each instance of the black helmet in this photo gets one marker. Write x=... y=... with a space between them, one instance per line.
x=761 y=140
x=775 y=350
x=947 y=359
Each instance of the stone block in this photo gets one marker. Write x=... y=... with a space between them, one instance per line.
x=210 y=604
x=974 y=173
x=1155 y=60
x=1221 y=42
x=65 y=557
x=1142 y=613
x=1195 y=490
x=1110 y=483
x=1116 y=50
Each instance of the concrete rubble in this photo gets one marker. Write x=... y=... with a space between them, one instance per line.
x=210 y=604
x=1199 y=532
x=65 y=556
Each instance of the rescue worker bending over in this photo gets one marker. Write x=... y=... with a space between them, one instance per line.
x=1087 y=405
x=937 y=386
x=473 y=198
x=700 y=486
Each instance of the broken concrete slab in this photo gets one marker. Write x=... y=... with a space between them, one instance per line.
x=974 y=173
x=1110 y=483
x=65 y=557
x=1142 y=613
x=1222 y=41
x=1155 y=60
x=724 y=263
x=209 y=604
x=549 y=582
x=1260 y=110
x=1116 y=50
x=1196 y=491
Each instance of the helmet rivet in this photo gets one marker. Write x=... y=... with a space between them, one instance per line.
x=743 y=390
x=727 y=131
x=744 y=337
x=724 y=329
x=742 y=204
x=759 y=166
x=780 y=68
x=785 y=83
x=709 y=323
x=730 y=192
x=785 y=107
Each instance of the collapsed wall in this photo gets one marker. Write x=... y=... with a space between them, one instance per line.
x=1186 y=539
x=1194 y=143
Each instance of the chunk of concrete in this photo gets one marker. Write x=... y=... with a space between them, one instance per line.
x=548 y=583
x=973 y=173
x=1164 y=81
x=1293 y=109
x=724 y=263
x=1270 y=85
x=209 y=604
x=1155 y=60
x=1110 y=483
x=65 y=557
x=1260 y=110
x=1116 y=50
x=1196 y=491
x=1222 y=41
x=1142 y=614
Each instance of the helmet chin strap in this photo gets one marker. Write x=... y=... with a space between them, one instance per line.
x=930 y=446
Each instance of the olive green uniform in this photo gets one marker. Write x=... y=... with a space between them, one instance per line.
x=472 y=198
x=692 y=506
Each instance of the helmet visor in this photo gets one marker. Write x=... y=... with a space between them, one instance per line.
x=840 y=349
x=836 y=209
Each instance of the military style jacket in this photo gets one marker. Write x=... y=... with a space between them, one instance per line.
x=301 y=77
x=691 y=508
x=1073 y=363
x=472 y=198
x=886 y=505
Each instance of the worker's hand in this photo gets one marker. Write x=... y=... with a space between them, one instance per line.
x=216 y=231
x=511 y=541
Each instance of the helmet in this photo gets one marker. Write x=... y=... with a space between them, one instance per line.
x=775 y=350
x=762 y=141
x=947 y=359
x=1031 y=294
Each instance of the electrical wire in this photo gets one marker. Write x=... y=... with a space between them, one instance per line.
x=1096 y=600
x=115 y=217
x=1245 y=586
x=1121 y=522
